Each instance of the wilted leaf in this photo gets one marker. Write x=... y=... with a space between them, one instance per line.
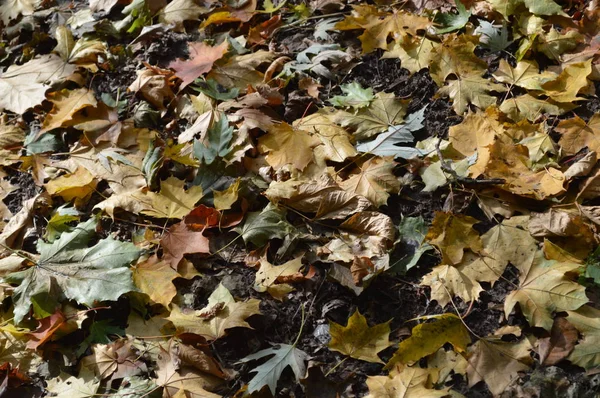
x=285 y=144
x=374 y=181
x=155 y=278
x=262 y=226
x=406 y=382
x=270 y=278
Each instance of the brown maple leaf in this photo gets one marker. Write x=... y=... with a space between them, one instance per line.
x=180 y=240
x=201 y=61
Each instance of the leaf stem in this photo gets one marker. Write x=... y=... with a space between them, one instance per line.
x=336 y=366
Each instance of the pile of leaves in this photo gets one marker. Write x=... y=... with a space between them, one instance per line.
x=206 y=198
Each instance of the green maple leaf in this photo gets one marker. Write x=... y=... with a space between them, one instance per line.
x=269 y=372
x=69 y=269
x=450 y=21
x=355 y=96
x=260 y=226
x=217 y=142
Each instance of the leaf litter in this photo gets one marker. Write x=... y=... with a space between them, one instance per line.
x=326 y=198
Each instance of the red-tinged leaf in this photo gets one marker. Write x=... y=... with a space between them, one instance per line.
x=202 y=58
x=208 y=217
x=260 y=33
x=179 y=241
x=11 y=378
x=46 y=329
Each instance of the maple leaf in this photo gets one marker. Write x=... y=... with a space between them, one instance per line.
x=24 y=86
x=83 y=52
x=77 y=186
x=336 y=142
x=179 y=241
x=202 y=58
x=11 y=9
x=51 y=327
x=177 y=379
x=321 y=196
x=153 y=85
x=577 y=134
x=217 y=141
x=405 y=383
x=172 y=201
x=269 y=277
x=240 y=71
x=358 y=340
x=354 y=96
x=567 y=85
x=554 y=43
x=427 y=338
x=269 y=372
x=455 y=56
x=261 y=226
x=470 y=89
x=221 y=313
x=379 y=25
x=71 y=270
x=497 y=362
x=544 y=289
x=179 y=11
x=447 y=281
x=65 y=104
x=285 y=144
x=155 y=278
x=450 y=21
x=538 y=7
x=385 y=111
x=416 y=53
x=385 y=143
x=531 y=108
x=585 y=353
x=374 y=181
x=67 y=386
x=452 y=234
x=116 y=360
x=525 y=74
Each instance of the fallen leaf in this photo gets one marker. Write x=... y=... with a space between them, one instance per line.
x=268 y=373
x=497 y=362
x=284 y=144
x=405 y=383
x=567 y=85
x=74 y=271
x=65 y=104
x=585 y=353
x=544 y=289
x=563 y=337
x=173 y=201
x=77 y=186
x=452 y=234
x=24 y=86
x=11 y=9
x=181 y=240
x=202 y=58
x=221 y=313
x=427 y=338
x=374 y=181
x=270 y=278
x=358 y=340
x=577 y=134
x=155 y=278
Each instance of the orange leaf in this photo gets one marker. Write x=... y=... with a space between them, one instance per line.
x=201 y=61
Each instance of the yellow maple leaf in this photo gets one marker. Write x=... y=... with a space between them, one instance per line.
x=358 y=340
x=452 y=234
x=221 y=313
x=578 y=134
x=155 y=278
x=374 y=181
x=379 y=25
x=409 y=382
x=77 y=186
x=285 y=144
x=498 y=362
x=65 y=104
x=337 y=145
x=427 y=338
x=173 y=201
x=544 y=289
x=266 y=279
x=567 y=85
